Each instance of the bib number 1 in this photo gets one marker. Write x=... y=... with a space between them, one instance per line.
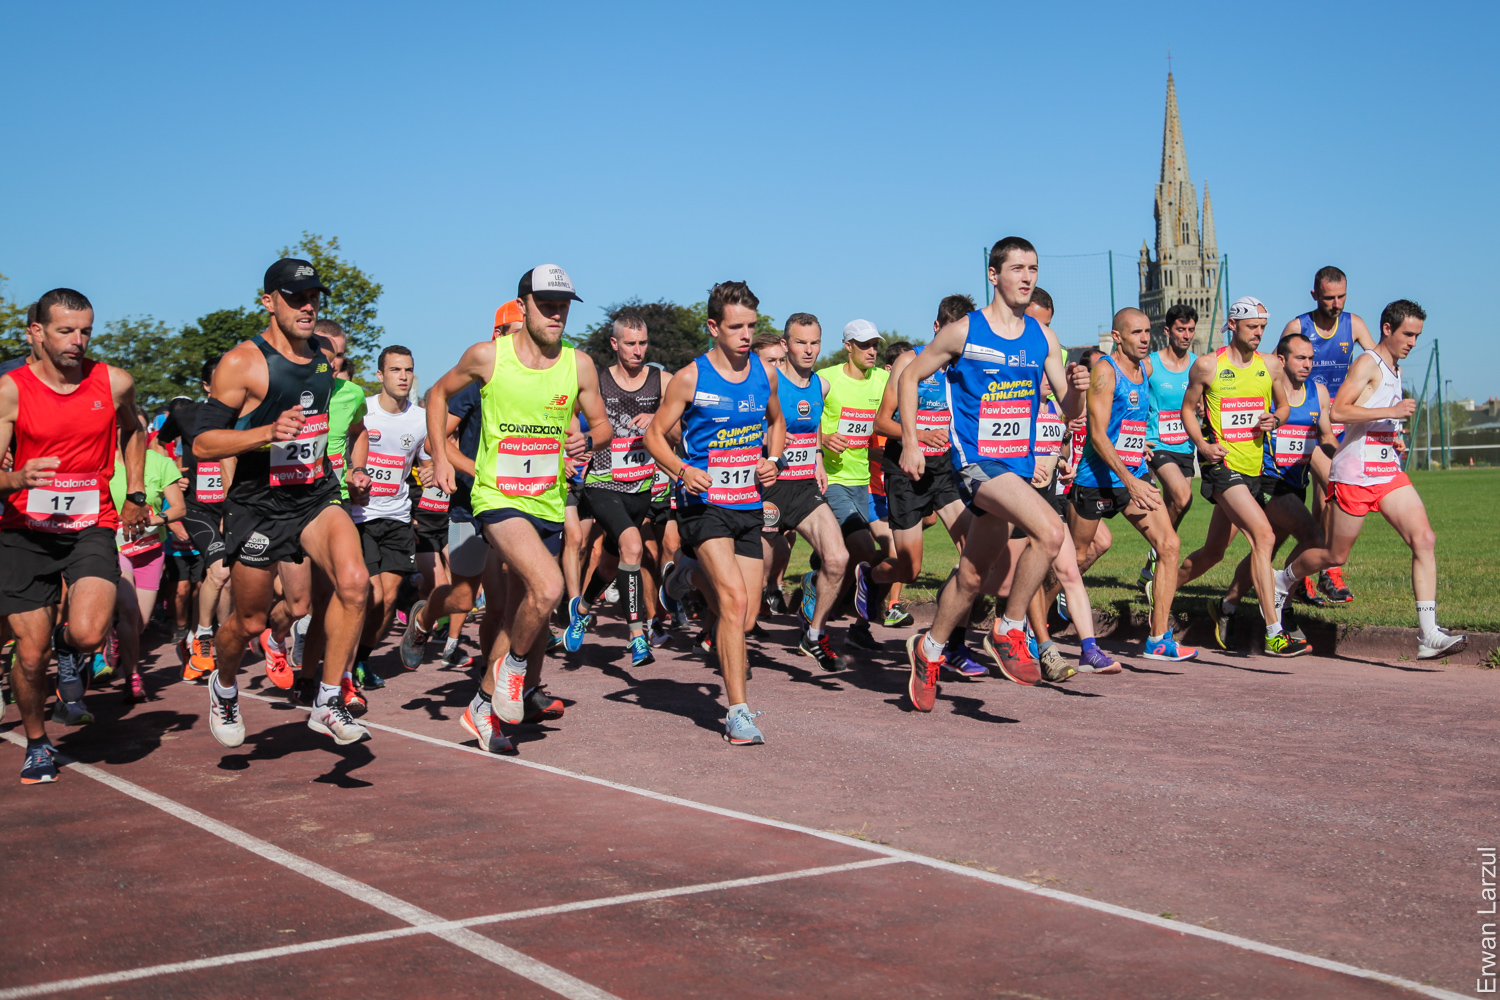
x=527 y=466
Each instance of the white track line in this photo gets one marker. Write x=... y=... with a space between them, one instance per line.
x=171 y=968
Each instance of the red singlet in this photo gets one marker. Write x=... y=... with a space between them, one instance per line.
x=78 y=429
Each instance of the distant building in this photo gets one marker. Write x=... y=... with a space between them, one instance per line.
x=1186 y=266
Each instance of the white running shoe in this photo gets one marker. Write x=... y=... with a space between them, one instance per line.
x=612 y=594
x=333 y=719
x=224 y=719
x=299 y=640
x=1440 y=643
x=510 y=688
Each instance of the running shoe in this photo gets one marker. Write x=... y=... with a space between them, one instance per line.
x=184 y=649
x=135 y=690
x=485 y=728
x=304 y=692
x=656 y=635
x=1224 y=629
x=1031 y=643
x=1148 y=571
x=1166 y=648
x=1011 y=654
x=70 y=713
x=1062 y=606
x=1282 y=644
x=666 y=600
x=809 y=602
x=578 y=625
x=100 y=669
x=224 y=719
x=454 y=656
x=541 y=705
x=201 y=658
x=1289 y=622
x=414 y=640
x=757 y=631
x=739 y=728
x=510 y=687
x=1055 y=666
x=554 y=643
x=366 y=678
x=39 y=768
x=611 y=594
x=921 y=686
x=640 y=651
x=959 y=660
x=705 y=641
x=1097 y=661
x=299 y=641
x=353 y=700
x=860 y=637
x=112 y=650
x=775 y=601
x=1310 y=594
x=73 y=669
x=333 y=719
x=820 y=649
x=1331 y=583
x=864 y=590
x=277 y=669
x=896 y=616
x=1440 y=643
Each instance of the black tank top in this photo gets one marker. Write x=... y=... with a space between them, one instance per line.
x=622 y=406
x=288 y=476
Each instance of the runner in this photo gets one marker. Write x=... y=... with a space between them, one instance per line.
x=531 y=385
x=395 y=431
x=1333 y=333
x=795 y=499
x=65 y=415
x=1110 y=476
x=1171 y=451
x=727 y=401
x=854 y=391
x=776 y=539
x=1244 y=396
x=1366 y=469
x=269 y=407
x=890 y=612
x=617 y=486
x=995 y=358
x=429 y=516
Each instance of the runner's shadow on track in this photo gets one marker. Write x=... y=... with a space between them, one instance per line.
x=294 y=737
x=1236 y=666
x=1149 y=670
x=795 y=673
x=1388 y=666
x=119 y=738
x=436 y=701
x=1070 y=692
x=697 y=702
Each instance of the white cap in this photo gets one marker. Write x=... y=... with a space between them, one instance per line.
x=1248 y=307
x=547 y=281
x=860 y=331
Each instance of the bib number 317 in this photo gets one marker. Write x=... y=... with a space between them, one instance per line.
x=733 y=474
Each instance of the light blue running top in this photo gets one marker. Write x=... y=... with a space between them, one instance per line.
x=1128 y=411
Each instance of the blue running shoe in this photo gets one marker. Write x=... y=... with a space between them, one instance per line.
x=1166 y=648
x=1062 y=606
x=640 y=651
x=666 y=600
x=578 y=625
x=739 y=728
x=73 y=669
x=39 y=767
x=367 y=679
x=1031 y=643
x=864 y=588
x=958 y=660
x=809 y=596
x=1097 y=661
x=554 y=642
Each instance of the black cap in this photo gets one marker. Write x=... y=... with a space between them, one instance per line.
x=290 y=276
x=547 y=281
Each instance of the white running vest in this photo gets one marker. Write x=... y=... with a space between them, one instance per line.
x=1367 y=455
x=395 y=439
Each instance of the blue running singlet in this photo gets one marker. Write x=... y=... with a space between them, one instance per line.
x=932 y=414
x=802 y=409
x=1288 y=449
x=1331 y=355
x=1128 y=411
x=1164 y=428
x=722 y=431
x=993 y=398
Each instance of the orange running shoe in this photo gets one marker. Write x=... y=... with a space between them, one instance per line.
x=1012 y=654
x=353 y=700
x=921 y=686
x=200 y=662
x=277 y=669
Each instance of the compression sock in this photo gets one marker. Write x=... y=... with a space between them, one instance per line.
x=362 y=654
x=597 y=585
x=959 y=637
x=628 y=579
x=1427 y=617
x=1088 y=644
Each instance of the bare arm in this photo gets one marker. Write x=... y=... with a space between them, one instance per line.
x=1326 y=437
x=476 y=365
x=591 y=404
x=1074 y=377
x=35 y=471
x=132 y=446
x=356 y=454
x=673 y=402
x=240 y=383
x=176 y=503
x=1364 y=374
x=766 y=469
x=885 y=416
x=1361 y=333
x=463 y=463
x=946 y=347
x=1281 y=394
x=1101 y=395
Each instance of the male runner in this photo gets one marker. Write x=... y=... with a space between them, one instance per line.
x=531 y=384
x=269 y=407
x=849 y=406
x=1244 y=397
x=395 y=429
x=1110 y=476
x=1171 y=451
x=1366 y=470
x=727 y=401
x=204 y=521
x=1333 y=333
x=65 y=415
x=795 y=499
x=995 y=358
x=617 y=485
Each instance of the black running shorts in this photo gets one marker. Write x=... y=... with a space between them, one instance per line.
x=1218 y=477
x=204 y=523
x=910 y=502
x=700 y=522
x=1182 y=459
x=1094 y=502
x=253 y=537
x=616 y=512
x=787 y=505
x=33 y=564
x=390 y=546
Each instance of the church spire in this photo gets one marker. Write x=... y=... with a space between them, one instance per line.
x=1209 y=241
x=1174 y=164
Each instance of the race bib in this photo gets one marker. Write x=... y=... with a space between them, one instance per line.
x=1130 y=443
x=70 y=504
x=1293 y=445
x=856 y=426
x=733 y=474
x=300 y=460
x=208 y=483
x=1004 y=428
x=1381 y=457
x=661 y=485
x=527 y=466
x=1050 y=431
x=629 y=461
x=140 y=546
x=1338 y=431
x=932 y=420
x=1169 y=428
x=1239 y=417
x=799 y=454
x=434 y=499
x=386 y=473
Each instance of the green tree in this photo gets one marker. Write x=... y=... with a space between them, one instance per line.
x=211 y=335
x=353 y=299
x=677 y=334
x=13 y=339
x=152 y=354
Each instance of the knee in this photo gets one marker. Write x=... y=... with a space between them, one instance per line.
x=1264 y=539
x=1424 y=540
x=732 y=605
x=91 y=636
x=631 y=552
x=353 y=584
x=218 y=574
x=836 y=563
x=548 y=592
x=1050 y=540
x=1169 y=546
x=251 y=622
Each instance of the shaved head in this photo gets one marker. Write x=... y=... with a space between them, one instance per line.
x=1129 y=317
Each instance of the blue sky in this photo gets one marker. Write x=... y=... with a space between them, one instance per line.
x=847 y=160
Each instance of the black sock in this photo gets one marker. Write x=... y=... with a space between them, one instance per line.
x=597 y=585
x=959 y=637
x=363 y=653
x=483 y=697
x=629 y=582
x=815 y=562
x=40 y=741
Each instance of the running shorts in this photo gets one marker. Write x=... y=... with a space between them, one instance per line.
x=1182 y=459
x=145 y=568
x=700 y=522
x=262 y=538
x=1356 y=501
x=616 y=512
x=1218 y=477
x=204 y=525
x=911 y=501
x=1094 y=502
x=850 y=506
x=33 y=565
x=550 y=532
x=788 y=504
x=390 y=546
x=467 y=549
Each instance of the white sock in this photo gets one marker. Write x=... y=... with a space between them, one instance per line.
x=204 y=630
x=814 y=634
x=1427 y=617
x=1157 y=638
x=225 y=692
x=739 y=706
x=1011 y=623
x=1229 y=607
x=326 y=693
x=1285 y=581
x=1274 y=628
x=349 y=675
x=450 y=645
x=930 y=649
x=512 y=662
x=273 y=644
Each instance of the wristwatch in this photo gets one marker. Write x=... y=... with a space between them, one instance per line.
x=138 y=498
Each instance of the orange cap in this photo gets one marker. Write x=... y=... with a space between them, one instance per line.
x=511 y=312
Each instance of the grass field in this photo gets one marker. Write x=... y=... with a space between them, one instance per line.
x=1459 y=502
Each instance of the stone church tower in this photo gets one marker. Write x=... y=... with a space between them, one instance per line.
x=1186 y=267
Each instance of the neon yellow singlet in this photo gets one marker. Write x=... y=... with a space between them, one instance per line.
x=524 y=416
x=1235 y=398
x=849 y=409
